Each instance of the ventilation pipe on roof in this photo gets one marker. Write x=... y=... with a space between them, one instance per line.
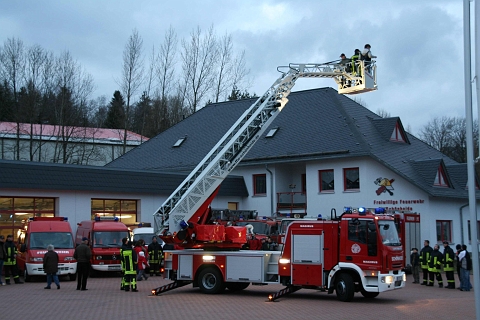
x=271 y=189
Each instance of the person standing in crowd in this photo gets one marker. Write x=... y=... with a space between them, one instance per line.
x=83 y=255
x=3 y=255
x=142 y=265
x=448 y=258
x=465 y=267
x=459 y=249
x=50 y=266
x=414 y=261
x=155 y=252
x=129 y=260
x=424 y=257
x=10 y=263
x=434 y=267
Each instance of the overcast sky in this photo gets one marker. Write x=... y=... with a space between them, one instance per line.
x=419 y=44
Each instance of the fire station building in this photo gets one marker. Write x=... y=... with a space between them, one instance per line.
x=322 y=153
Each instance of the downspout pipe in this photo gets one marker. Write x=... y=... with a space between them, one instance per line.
x=271 y=190
x=461 y=223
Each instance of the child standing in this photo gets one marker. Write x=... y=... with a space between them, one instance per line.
x=414 y=261
x=141 y=266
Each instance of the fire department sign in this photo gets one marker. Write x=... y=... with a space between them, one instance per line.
x=356 y=248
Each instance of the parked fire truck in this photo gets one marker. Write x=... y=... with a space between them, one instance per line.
x=37 y=234
x=345 y=254
x=105 y=236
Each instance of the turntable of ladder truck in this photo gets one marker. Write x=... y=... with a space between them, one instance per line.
x=317 y=254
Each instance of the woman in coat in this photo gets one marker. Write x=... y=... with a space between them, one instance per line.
x=50 y=266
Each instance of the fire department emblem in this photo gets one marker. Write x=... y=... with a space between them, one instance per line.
x=356 y=248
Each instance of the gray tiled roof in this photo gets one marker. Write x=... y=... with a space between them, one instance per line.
x=48 y=176
x=315 y=124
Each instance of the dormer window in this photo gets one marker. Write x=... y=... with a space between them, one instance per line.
x=397 y=134
x=440 y=178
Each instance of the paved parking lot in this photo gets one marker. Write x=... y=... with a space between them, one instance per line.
x=105 y=300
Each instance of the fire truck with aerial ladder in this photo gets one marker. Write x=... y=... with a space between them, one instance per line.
x=357 y=251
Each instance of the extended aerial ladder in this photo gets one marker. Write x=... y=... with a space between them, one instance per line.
x=187 y=206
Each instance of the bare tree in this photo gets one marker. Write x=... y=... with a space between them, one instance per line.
x=198 y=60
x=166 y=63
x=12 y=69
x=224 y=67
x=448 y=135
x=132 y=76
x=73 y=87
x=240 y=73
x=383 y=113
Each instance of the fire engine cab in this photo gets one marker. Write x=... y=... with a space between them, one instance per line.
x=37 y=234
x=105 y=236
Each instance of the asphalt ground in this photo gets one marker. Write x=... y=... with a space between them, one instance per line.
x=105 y=300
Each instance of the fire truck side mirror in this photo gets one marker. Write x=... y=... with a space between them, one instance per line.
x=23 y=248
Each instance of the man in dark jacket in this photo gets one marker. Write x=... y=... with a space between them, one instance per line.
x=434 y=267
x=3 y=255
x=155 y=253
x=414 y=261
x=459 y=249
x=50 y=266
x=11 y=261
x=424 y=257
x=448 y=258
x=82 y=255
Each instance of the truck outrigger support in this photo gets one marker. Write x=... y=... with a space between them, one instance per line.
x=168 y=287
x=290 y=289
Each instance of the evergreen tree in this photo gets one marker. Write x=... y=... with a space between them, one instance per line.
x=115 y=115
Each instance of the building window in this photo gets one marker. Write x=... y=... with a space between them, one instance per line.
x=125 y=210
x=397 y=134
x=470 y=232
x=440 y=178
x=351 y=179
x=15 y=212
x=444 y=230
x=326 y=180
x=259 y=184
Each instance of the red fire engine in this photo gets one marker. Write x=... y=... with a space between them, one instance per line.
x=356 y=252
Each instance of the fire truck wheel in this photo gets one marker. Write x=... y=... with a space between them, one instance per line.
x=345 y=287
x=210 y=281
x=368 y=295
x=237 y=286
x=26 y=276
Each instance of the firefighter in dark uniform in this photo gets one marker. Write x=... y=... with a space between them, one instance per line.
x=10 y=264
x=424 y=257
x=448 y=258
x=434 y=267
x=129 y=261
x=155 y=253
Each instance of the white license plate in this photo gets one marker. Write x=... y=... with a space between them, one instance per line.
x=114 y=268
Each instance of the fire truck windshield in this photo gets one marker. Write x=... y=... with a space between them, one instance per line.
x=60 y=240
x=111 y=239
x=388 y=232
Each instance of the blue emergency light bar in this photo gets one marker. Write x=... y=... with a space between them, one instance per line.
x=98 y=218
x=380 y=210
